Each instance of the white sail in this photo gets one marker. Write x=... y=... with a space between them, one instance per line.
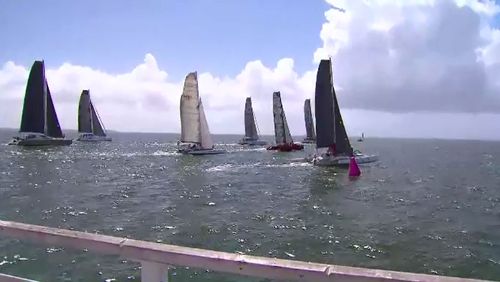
x=190 y=113
x=206 y=138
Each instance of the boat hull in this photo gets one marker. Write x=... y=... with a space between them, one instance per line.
x=325 y=160
x=40 y=141
x=252 y=142
x=92 y=138
x=204 y=152
x=286 y=147
x=196 y=149
x=309 y=141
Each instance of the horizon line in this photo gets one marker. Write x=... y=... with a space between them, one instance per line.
x=270 y=135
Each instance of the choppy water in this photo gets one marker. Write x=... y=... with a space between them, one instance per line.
x=428 y=206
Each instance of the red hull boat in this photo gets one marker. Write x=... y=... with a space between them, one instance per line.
x=286 y=147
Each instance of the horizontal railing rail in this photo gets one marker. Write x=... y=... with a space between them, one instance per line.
x=155 y=258
x=10 y=278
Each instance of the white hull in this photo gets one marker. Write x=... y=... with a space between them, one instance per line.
x=88 y=137
x=196 y=149
x=325 y=160
x=38 y=139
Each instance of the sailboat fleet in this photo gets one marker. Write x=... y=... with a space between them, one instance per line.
x=40 y=126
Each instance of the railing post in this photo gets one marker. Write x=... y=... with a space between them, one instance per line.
x=153 y=272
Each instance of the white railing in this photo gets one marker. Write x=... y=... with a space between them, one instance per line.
x=10 y=278
x=155 y=258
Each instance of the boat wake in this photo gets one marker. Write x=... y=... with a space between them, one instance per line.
x=292 y=164
x=163 y=153
x=234 y=168
x=136 y=154
x=231 y=167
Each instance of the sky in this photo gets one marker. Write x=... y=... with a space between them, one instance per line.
x=402 y=68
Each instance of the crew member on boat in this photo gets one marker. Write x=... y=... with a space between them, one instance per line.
x=331 y=150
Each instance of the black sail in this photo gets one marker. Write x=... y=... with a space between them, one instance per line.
x=330 y=129
x=309 y=120
x=324 y=113
x=33 y=117
x=250 y=126
x=96 y=123
x=84 y=119
x=53 y=127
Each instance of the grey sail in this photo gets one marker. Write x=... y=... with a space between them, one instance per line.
x=330 y=128
x=250 y=126
x=84 y=115
x=205 y=137
x=189 y=109
x=309 y=120
x=281 y=132
x=33 y=116
x=53 y=129
x=96 y=122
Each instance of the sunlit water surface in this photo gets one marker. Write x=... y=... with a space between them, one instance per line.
x=429 y=206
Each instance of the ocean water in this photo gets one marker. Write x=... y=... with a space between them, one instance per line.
x=429 y=206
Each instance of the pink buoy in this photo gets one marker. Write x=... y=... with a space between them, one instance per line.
x=353 y=168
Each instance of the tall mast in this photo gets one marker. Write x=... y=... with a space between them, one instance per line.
x=91 y=118
x=45 y=111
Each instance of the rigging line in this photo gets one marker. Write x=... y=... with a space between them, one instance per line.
x=91 y=108
x=98 y=117
x=256 y=124
x=283 y=121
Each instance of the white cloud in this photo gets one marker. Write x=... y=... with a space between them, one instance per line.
x=144 y=99
x=414 y=55
x=412 y=68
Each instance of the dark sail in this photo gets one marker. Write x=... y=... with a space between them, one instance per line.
x=84 y=120
x=330 y=128
x=309 y=120
x=53 y=127
x=250 y=126
x=325 y=120
x=96 y=124
x=33 y=118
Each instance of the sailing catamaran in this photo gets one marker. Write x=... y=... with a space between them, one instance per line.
x=330 y=128
x=90 y=126
x=311 y=135
x=284 y=142
x=195 y=136
x=39 y=123
x=251 y=134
